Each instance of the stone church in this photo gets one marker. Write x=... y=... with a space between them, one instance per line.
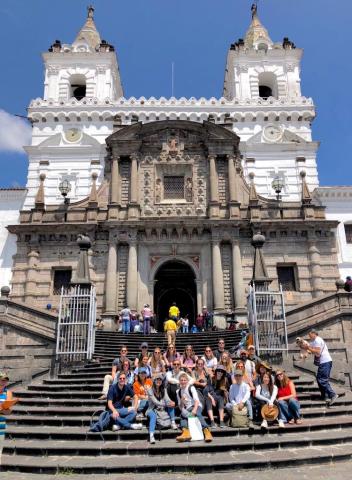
x=171 y=191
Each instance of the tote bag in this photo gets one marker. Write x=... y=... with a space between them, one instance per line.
x=195 y=429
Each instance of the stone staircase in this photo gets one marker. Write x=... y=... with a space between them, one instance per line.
x=48 y=430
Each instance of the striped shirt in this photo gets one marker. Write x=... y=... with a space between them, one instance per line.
x=3 y=397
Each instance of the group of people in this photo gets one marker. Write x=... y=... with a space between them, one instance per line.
x=163 y=386
x=175 y=322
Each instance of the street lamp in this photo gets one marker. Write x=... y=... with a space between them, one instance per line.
x=278 y=185
x=65 y=188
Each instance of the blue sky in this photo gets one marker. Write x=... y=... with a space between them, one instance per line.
x=195 y=34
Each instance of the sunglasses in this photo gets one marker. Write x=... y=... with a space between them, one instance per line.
x=177 y=364
x=208 y=350
x=122 y=378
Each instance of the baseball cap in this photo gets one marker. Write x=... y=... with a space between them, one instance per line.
x=144 y=345
x=239 y=372
x=142 y=370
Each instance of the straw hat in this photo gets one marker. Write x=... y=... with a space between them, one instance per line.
x=270 y=412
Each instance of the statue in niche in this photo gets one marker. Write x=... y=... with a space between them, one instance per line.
x=189 y=189
x=158 y=190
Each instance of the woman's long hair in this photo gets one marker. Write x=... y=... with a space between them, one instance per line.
x=227 y=364
x=191 y=355
x=159 y=395
x=270 y=384
x=282 y=383
x=154 y=361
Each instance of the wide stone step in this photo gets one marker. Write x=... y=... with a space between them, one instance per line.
x=178 y=462
x=83 y=418
x=46 y=432
x=272 y=441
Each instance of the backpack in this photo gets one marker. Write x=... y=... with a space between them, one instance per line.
x=102 y=423
x=239 y=418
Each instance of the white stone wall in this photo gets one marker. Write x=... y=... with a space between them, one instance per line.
x=338 y=202
x=11 y=201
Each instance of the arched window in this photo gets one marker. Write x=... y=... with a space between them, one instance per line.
x=267 y=85
x=78 y=86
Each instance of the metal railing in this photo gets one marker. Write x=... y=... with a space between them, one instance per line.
x=267 y=321
x=75 y=336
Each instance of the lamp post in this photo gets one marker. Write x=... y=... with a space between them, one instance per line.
x=65 y=188
x=278 y=185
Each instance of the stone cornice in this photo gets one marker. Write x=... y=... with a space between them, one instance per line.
x=341 y=193
x=12 y=194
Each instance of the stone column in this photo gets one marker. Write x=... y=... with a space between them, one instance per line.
x=31 y=281
x=199 y=296
x=115 y=189
x=218 y=286
x=239 y=299
x=111 y=280
x=132 y=276
x=315 y=266
x=214 y=187
x=234 y=203
x=133 y=203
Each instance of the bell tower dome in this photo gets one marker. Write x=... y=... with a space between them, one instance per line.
x=87 y=68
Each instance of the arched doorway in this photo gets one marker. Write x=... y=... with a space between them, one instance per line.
x=174 y=282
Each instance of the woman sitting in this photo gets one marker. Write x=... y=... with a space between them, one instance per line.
x=156 y=363
x=126 y=369
x=266 y=394
x=159 y=401
x=209 y=359
x=225 y=361
x=240 y=366
x=190 y=406
x=217 y=395
x=170 y=356
x=188 y=359
x=143 y=364
x=173 y=379
x=140 y=388
x=287 y=400
x=262 y=368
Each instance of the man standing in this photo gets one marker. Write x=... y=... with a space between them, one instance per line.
x=174 y=312
x=323 y=360
x=125 y=316
x=170 y=328
x=147 y=315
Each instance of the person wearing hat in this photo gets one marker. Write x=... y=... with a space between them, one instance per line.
x=252 y=355
x=266 y=394
x=146 y=316
x=159 y=401
x=144 y=353
x=239 y=395
x=5 y=394
x=216 y=394
x=261 y=368
x=140 y=387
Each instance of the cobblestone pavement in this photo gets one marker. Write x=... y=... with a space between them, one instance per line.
x=339 y=471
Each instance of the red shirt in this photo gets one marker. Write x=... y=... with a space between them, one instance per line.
x=284 y=391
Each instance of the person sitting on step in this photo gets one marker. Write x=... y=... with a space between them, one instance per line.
x=145 y=364
x=190 y=405
x=239 y=395
x=188 y=359
x=266 y=394
x=221 y=349
x=262 y=368
x=173 y=379
x=120 y=396
x=239 y=365
x=249 y=365
x=170 y=355
x=144 y=353
x=156 y=363
x=140 y=388
x=252 y=355
x=210 y=359
x=116 y=366
x=226 y=361
x=126 y=369
x=287 y=400
x=216 y=395
x=159 y=405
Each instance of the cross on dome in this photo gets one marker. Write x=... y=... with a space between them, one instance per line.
x=256 y=33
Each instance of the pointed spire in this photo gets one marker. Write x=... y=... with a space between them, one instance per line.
x=93 y=197
x=89 y=33
x=306 y=196
x=256 y=30
x=260 y=273
x=253 y=196
x=40 y=197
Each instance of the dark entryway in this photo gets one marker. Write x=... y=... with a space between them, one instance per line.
x=174 y=282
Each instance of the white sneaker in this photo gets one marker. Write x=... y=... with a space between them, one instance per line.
x=116 y=428
x=281 y=424
x=264 y=424
x=151 y=438
x=136 y=426
x=173 y=425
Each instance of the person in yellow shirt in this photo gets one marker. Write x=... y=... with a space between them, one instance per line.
x=174 y=312
x=170 y=328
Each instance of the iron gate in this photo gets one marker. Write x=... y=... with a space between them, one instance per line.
x=267 y=321
x=76 y=325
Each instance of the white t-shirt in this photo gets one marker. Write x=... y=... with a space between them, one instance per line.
x=186 y=399
x=239 y=393
x=324 y=351
x=210 y=362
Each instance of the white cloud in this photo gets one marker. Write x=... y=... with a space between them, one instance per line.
x=14 y=133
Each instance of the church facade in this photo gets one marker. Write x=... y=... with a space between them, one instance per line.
x=171 y=191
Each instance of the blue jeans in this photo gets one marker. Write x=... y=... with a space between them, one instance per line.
x=151 y=414
x=184 y=420
x=126 y=417
x=126 y=325
x=323 y=375
x=146 y=326
x=289 y=409
x=142 y=405
x=184 y=329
